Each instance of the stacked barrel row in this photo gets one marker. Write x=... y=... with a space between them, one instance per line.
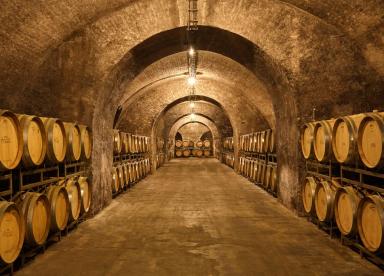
x=354 y=141
x=126 y=143
x=129 y=172
x=229 y=159
x=228 y=144
x=260 y=172
x=35 y=140
x=33 y=216
x=188 y=148
x=227 y=155
x=259 y=142
x=160 y=160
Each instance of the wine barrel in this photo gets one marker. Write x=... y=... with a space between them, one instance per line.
x=129 y=146
x=207 y=144
x=136 y=165
x=241 y=165
x=86 y=194
x=191 y=144
x=115 y=180
x=11 y=141
x=139 y=144
x=370 y=223
x=57 y=141
x=371 y=140
x=36 y=213
x=185 y=144
x=272 y=141
x=194 y=152
x=132 y=174
x=308 y=194
x=179 y=153
x=306 y=140
x=199 y=153
x=255 y=170
x=86 y=142
x=124 y=143
x=346 y=202
x=73 y=135
x=117 y=142
x=120 y=170
x=186 y=153
x=322 y=140
x=207 y=153
x=74 y=195
x=12 y=232
x=178 y=144
x=126 y=173
x=268 y=176
x=59 y=203
x=325 y=199
x=262 y=173
x=34 y=140
x=344 y=142
x=199 y=144
x=245 y=170
x=267 y=141
x=148 y=166
x=241 y=143
x=274 y=181
x=251 y=169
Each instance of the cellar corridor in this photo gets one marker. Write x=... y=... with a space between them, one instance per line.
x=197 y=217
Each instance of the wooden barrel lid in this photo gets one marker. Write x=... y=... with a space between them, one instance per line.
x=115 y=180
x=86 y=142
x=199 y=144
x=76 y=142
x=370 y=224
x=85 y=189
x=74 y=195
x=199 y=153
x=57 y=142
x=344 y=213
x=309 y=194
x=179 y=153
x=319 y=142
x=185 y=144
x=40 y=219
x=186 y=153
x=341 y=141
x=307 y=140
x=62 y=209
x=36 y=143
x=11 y=142
x=178 y=144
x=11 y=232
x=207 y=143
x=370 y=141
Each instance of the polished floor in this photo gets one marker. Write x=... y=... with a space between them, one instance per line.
x=197 y=217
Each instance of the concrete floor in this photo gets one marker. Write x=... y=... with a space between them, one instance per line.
x=197 y=217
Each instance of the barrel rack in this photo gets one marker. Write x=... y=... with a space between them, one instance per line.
x=361 y=179
x=17 y=181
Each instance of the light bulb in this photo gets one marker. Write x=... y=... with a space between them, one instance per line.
x=191 y=52
x=191 y=81
x=192 y=105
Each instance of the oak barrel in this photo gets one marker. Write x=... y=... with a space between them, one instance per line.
x=178 y=144
x=346 y=202
x=120 y=171
x=59 y=206
x=274 y=182
x=34 y=140
x=344 y=142
x=11 y=141
x=132 y=174
x=322 y=140
x=179 y=153
x=117 y=142
x=207 y=143
x=272 y=141
x=35 y=209
x=74 y=195
x=11 y=232
x=325 y=199
x=308 y=194
x=306 y=140
x=267 y=140
x=73 y=138
x=115 y=180
x=186 y=153
x=199 y=153
x=199 y=144
x=255 y=170
x=124 y=142
x=268 y=177
x=86 y=194
x=57 y=141
x=370 y=223
x=371 y=140
x=185 y=144
x=207 y=153
x=86 y=142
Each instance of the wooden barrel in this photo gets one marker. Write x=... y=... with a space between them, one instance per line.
x=246 y=163
x=117 y=142
x=12 y=232
x=194 y=152
x=344 y=141
x=129 y=146
x=179 y=153
x=122 y=180
x=241 y=143
x=178 y=144
x=268 y=176
x=86 y=142
x=251 y=169
x=241 y=165
x=346 y=202
x=59 y=202
x=74 y=195
x=34 y=140
x=199 y=153
x=57 y=141
x=322 y=140
x=267 y=140
x=115 y=180
x=308 y=194
x=370 y=223
x=124 y=143
x=199 y=144
x=185 y=144
x=207 y=144
x=262 y=173
x=126 y=173
x=306 y=140
x=274 y=182
x=132 y=174
x=36 y=213
x=255 y=170
x=191 y=144
x=136 y=165
x=73 y=135
x=186 y=153
x=139 y=144
x=86 y=194
x=11 y=141
x=207 y=153
x=272 y=141
x=325 y=199
x=371 y=140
